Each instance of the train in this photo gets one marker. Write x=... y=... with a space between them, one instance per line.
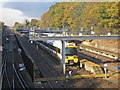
x=71 y=54
x=71 y=51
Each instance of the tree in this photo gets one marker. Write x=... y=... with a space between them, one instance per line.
x=18 y=25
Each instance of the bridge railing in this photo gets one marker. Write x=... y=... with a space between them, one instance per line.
x=58 y=33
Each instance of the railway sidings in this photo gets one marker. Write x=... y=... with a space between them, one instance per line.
x=35 y=67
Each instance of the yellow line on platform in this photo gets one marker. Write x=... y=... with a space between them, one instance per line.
x=77 y=77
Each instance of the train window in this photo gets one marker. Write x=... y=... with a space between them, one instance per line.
x=70 y=51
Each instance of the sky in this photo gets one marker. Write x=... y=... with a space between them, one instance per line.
x=12 y=11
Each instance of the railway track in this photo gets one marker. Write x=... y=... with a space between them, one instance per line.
x=58 y=81
x=47 y=74
x=50 y=84
x=92 y=57
x=20 y=78
x=3 y=65
x=53 y=84
x=96 y=58
x=99 y=59
x=97 y=82
x=43 y=68
x=112 y=55
x=12 y=76
x=5 y=73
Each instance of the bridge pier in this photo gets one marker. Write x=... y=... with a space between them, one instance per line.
x=63 y=57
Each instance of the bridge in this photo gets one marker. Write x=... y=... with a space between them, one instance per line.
x=63 y=36
x=87 y=37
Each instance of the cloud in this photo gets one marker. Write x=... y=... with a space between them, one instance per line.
x=30 y=9
x=33 y=0
x=10 y=16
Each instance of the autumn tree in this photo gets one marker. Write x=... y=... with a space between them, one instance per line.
x=18 y=25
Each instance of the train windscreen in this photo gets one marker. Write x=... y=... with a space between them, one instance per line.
x=70 y=51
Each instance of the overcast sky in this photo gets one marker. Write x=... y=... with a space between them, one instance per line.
x=12 y=11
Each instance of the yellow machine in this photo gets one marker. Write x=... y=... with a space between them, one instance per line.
x=71 y=54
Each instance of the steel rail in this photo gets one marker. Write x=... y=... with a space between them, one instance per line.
x=42 y=72
x=5 y=70
x=7 y=76
x=102 y=81
x=44 y=75
x=102 y=55
x=45 y=78
x=54 y=75
x=93 y=55
x=3 y=62
x=19 y=78
x=110 y=84
x=113 y=85
x=88 y=80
